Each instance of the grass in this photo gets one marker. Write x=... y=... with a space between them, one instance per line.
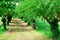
x=2 y=31
x=47 y=33
x=44 y=27
x=46 y=30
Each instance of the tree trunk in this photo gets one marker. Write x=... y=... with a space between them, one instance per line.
x=54 y=27
x=33 y=24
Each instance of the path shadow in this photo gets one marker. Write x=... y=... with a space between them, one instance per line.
x=19 y=29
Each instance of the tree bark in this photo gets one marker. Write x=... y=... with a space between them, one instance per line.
x=54 y=27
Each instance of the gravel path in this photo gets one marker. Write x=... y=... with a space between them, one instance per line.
x=19 y=32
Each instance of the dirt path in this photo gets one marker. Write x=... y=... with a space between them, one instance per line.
x=19 y=30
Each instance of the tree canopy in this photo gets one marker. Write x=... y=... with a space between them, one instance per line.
x=7 y=6
x=37 y=8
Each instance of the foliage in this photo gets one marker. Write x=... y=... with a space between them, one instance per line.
x=29 y=9
x=38 y=9
x=7 y=6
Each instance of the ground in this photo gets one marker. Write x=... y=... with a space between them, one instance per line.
x=19 y=30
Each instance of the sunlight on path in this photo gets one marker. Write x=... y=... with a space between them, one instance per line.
x=18 y=32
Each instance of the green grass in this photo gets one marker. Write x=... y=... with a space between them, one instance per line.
x=45 y=28
x=47 y=33
x=2 y=31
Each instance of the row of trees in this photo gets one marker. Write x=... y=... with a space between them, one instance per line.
x=48 y=9
x=6 y=8
x=37 y=8
x=33 y=9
